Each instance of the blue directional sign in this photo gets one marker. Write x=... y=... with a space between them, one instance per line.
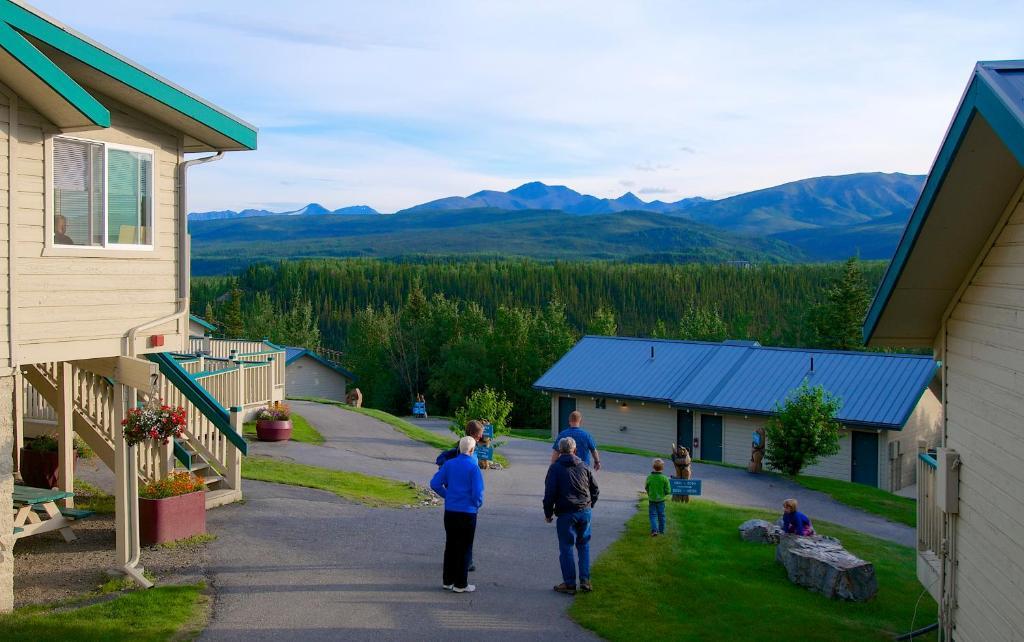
x=489 y=431
x=684 y=486
x=484 y=453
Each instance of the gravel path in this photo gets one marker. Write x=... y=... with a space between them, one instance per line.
x=300 y=563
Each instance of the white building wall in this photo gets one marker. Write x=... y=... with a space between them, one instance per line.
x=925 y=424
x=307 y=377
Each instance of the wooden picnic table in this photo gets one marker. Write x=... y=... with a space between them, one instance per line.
x=32 y=505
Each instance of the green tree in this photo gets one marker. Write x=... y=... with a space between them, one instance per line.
x=299 y=326
x=603 y=323
x=838 y=321
x=232 y=320
x=485 y=404
x=802 y=430
x=263 y=321
x=703 y=324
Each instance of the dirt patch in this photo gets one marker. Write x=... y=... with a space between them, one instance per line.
x=47 y=569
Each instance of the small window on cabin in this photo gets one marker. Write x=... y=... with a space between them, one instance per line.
x=599 y=403
x=102 y=194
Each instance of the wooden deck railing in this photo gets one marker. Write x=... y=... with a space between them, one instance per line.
x=929 y=516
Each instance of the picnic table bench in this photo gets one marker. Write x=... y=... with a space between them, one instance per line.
x=36 y=511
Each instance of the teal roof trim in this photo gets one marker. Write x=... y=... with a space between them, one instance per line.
x=985 y=97
x=89 y=53
x=203 y=322
x=44 y=69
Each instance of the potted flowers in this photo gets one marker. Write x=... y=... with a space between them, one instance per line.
x=40 y=461
x=155 y=420
x=273 y=423
x=172 y=508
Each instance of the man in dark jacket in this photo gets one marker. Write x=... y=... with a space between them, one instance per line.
x=569 y=493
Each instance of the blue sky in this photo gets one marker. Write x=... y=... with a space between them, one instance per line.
x=394 y=103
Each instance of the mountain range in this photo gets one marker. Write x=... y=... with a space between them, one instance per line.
x=816 y=219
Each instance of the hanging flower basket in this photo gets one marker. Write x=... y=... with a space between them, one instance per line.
x=172 y=508
x=155 y=420
x=274 y=423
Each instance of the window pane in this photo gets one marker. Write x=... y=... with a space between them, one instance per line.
x=129 y=185
x=77 y=192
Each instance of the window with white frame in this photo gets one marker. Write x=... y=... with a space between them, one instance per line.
x=102 y=194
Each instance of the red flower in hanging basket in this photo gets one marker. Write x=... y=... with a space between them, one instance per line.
x=154 y=420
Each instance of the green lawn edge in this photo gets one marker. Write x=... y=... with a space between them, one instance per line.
x=409 y=430
x=376 y=492
x=702 y=582
x=161 y=613
x=894 y=508
x=302 y=430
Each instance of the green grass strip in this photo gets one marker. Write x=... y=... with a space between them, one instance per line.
x=377 y=492
x=894 y=508
x=422 y=435
x=89 y=497
x=536 y=434
x=157 y=614
x=302 y=430
x=701 y=582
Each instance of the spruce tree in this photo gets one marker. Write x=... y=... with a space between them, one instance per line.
x=838 y=321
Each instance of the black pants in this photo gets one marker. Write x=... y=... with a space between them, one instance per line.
x=459 y=529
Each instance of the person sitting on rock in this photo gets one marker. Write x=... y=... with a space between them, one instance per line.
x=793 y=521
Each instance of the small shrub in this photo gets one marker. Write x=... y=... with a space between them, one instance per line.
x=179 y=483
x=485 y=404
x=802 y=430
x=43 y=444
x=275 y=412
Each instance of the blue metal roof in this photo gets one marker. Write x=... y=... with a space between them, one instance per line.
x=995 y=93
x=875 y=389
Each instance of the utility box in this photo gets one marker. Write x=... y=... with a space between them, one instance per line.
x=947 y=480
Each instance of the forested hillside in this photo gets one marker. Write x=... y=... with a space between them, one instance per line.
x=445 y=327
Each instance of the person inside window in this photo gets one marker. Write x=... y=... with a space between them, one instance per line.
x=60 y=228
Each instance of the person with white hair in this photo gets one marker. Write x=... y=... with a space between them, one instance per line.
x=461 y=484
x=569 y=493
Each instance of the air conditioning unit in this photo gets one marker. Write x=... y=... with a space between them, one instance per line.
x=947 y=480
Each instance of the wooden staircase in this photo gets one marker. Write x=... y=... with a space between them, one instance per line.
x=203 y=449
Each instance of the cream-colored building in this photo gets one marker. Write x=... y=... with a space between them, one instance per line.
x=95 y=267
x=711 y=397
x=956 y=284
x=310 y=374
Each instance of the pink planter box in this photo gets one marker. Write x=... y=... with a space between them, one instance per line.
x=172 y=518
x=267 y=430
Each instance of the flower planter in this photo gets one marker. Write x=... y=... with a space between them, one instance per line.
x=274 y=430
x=172 y=518
x=39 y=469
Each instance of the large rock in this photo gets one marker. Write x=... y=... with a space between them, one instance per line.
x=760 y=531
x=823 y=565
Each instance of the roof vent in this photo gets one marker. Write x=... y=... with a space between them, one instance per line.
x=812 y=365
x=652 y=352
x=746 y=343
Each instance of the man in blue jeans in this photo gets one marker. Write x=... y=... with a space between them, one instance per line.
x=585 y=444
x=569 y=493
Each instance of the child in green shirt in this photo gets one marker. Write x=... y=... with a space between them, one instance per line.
x=658 y=489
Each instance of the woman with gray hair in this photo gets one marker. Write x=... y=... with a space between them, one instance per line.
x=461 y=485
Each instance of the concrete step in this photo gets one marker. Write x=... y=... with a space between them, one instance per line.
x=220 y=497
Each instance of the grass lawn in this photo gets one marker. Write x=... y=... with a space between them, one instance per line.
x=537 y=434
x=365 y=489
x=701 y=582
x=422 y=435
x=902 y=510
x=161 y=613
x=302 y=430
x=89 y=497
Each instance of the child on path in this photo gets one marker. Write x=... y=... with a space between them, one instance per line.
x=658 y=488
x=795 y=522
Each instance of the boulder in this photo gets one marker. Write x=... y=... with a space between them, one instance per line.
x=822 y=564
x=760 y=531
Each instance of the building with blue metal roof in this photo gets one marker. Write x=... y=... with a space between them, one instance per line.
x=651 y=393
x=310 y=374
x=956 y=284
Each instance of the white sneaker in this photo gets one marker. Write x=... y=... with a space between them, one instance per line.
x=448 y=587
x=469 y=588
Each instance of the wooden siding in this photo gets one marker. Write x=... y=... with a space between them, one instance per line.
x=6 y=152
x=80 y=306
x=309 y=378
x=984 y=406
x=925 y=423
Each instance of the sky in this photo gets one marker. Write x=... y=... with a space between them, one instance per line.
x=390 y=104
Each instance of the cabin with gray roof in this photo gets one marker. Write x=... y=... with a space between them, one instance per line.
x=956 y=285
x=710 y=397
x=311 y=374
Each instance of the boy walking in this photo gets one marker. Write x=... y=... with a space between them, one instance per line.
x=658 y=488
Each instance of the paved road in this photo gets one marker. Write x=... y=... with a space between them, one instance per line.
x=297 y=563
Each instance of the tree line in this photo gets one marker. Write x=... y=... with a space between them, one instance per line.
x=446 y=327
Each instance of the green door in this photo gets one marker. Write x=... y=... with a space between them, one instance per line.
x=711 y=437
x=565 y=407
x=684 y=429
x=864 y=467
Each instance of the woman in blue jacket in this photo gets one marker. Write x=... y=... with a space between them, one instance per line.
x=461 y=485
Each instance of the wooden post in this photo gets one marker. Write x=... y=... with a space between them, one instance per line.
x=273 y=380
x=233 y=474
x=66 y=431
x=240 y=390
x=122 y=468
x=19 y=417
